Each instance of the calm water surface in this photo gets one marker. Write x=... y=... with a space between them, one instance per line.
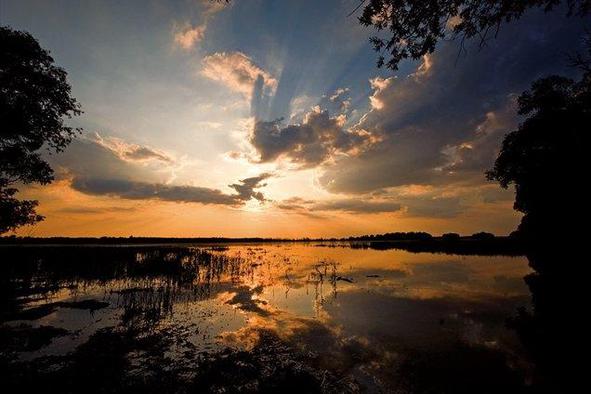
x=259 y=317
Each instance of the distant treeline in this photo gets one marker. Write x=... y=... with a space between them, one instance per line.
x=481 y=243
x=397 y=236
x=505 y=246
x=133 y=240
x=423 y=236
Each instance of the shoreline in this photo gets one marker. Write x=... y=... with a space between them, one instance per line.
x=463 y=246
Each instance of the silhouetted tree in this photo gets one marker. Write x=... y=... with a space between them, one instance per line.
x=546 y=158
x=415 y=26
x=483 y=236
x=34 y=99
x=450 y=237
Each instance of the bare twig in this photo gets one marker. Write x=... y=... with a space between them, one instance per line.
x=361 y=2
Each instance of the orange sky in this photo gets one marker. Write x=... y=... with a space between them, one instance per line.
x=243 y=120
x=71 y=213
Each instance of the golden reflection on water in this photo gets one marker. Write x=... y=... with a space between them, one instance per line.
x=358 y=310
x=364 y=292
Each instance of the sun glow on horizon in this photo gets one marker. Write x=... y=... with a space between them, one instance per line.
x=213 y=120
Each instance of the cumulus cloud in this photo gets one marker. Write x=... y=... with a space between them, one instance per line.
x=318 y=138
x=245 y=188
x=95 y=156
x=188 y=36
x=378 y=84
x=238 y=72
x=337 y=102
x=442 y=123
x=481 y=149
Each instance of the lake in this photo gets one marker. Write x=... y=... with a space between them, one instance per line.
x=313 y=317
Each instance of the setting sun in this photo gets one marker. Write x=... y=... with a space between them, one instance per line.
x=337 y=196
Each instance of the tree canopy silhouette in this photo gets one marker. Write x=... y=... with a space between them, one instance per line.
x=35 y=97
x=546 y=157
x=415 y=26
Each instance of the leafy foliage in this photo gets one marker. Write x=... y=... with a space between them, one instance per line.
x=34 y=99
x=546 y=158
x=15 y=213
x=415 y=26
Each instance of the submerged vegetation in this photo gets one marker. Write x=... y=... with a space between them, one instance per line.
x=351 y=314
x=178 y=319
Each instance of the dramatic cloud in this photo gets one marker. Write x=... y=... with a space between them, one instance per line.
x=130 y=152
x=337 y=103
x=135 y=190
x=313 y=142
x=245 y=188
x=238 y=72
x=95 y=156
x=132 y=190
x=413 y=201
x=442 y=123
x=481 y=149
x=113 y=167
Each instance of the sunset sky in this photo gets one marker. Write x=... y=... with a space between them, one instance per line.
x=270 y=118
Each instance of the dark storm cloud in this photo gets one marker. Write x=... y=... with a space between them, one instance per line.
x=245 y=188
x=430 y=122
x=153 y=191
x=135 y=190
x=109 y=172
x=480 y=150
x=311 y=143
